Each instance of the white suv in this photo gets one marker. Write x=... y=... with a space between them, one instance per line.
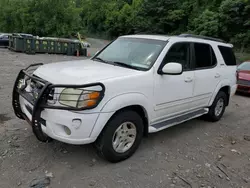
x=136 y=85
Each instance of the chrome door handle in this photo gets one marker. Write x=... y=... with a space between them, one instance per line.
x=217 y=75
x=188 y=80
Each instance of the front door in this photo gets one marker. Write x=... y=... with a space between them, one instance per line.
x=173 y=93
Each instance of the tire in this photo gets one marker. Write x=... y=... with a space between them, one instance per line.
x=214 y=115
x=107 y=141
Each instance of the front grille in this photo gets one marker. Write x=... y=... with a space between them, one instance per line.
x=51 y=94
x=243 y=82
x=35 y=87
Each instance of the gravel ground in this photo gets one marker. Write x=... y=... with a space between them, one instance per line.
x=193 y=154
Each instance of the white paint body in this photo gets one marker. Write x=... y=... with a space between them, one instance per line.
x=161 y=96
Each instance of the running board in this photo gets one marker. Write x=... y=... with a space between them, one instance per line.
x=177 y=120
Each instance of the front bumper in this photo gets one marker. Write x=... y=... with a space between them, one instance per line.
x=62 y=123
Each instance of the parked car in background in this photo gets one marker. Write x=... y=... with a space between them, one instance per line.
x=4 y=39
x=243 y=77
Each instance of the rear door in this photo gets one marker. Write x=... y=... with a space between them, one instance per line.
x=228 y=67
x=206 y=73
x=230 y=62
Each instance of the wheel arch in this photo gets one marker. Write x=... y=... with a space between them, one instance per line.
x=222 y=86
x=227 y=91
x=141 y=111
x=133 y=101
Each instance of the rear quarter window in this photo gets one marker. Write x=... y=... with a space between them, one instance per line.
x=228 y=55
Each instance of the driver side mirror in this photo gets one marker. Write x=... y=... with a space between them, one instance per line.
x=171 y=69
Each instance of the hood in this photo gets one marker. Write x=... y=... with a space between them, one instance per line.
x=81 y=72
x=244 y=75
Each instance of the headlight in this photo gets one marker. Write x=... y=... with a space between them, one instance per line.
x=79 y=98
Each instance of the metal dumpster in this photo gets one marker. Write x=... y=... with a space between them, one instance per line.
x=32 y=45
x=20 y=42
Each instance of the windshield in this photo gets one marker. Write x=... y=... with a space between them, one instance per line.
x=244 y=66
x=132 y=52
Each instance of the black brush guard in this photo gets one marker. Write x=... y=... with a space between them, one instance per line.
x=40 y=103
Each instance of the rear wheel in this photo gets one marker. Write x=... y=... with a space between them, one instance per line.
x=121 y=136
x=218 y=107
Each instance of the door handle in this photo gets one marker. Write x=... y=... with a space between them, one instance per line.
x=217 y=75
x=188 y=80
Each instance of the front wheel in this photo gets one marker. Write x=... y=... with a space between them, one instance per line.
x=218 y=107
x=121 y=136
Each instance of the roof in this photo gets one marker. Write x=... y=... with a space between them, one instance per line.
x=155 y=37
x=202 y=37
x=184 y=37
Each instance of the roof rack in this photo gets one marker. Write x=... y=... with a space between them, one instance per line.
x=202 y=37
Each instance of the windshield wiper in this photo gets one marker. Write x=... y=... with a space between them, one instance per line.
x=100 y=59
x=117 y=63
x=126 y=65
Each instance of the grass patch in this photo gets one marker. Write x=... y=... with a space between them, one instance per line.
x=242 y=56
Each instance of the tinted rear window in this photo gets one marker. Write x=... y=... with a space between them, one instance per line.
x=228 y=55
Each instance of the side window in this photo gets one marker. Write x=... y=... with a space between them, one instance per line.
x=228 y=55
x=204 y=56
x=179 y=53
